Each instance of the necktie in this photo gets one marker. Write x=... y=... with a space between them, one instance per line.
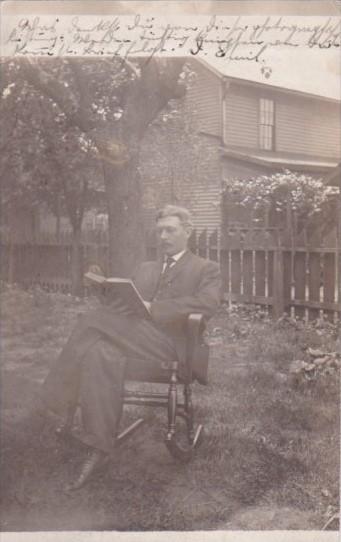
x=162 y=278
x=169 y=262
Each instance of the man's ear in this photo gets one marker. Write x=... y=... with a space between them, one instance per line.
x=189 y=230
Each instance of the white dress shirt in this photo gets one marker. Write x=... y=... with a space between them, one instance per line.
x=176 y=258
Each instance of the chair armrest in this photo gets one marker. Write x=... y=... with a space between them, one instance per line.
x=195 y=329
x=196 y=326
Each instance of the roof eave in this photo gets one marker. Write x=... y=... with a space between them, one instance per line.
x=249 y=82
x=299 y=165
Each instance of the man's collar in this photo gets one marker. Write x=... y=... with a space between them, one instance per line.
x=176 y=257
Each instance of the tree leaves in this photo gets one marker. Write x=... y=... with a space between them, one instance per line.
x=46 y=160
x=284 y=192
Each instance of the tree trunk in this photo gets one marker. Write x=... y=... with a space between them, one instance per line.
x=126 y=231
x=76 y=263
x=58 y=213
x=11 y=261
x=11 y=245
x=338 y=246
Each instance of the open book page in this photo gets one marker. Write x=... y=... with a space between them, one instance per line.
x=120 y=289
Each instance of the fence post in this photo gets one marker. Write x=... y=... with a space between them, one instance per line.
x=192 y=242
x=278 y=286
x=338 y=250
x=202 y=244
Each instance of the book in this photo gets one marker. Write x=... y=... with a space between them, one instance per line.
x=120 y=289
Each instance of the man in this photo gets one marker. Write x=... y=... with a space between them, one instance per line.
x=91 y=368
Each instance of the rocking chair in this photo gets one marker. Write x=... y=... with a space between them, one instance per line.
x=195 y=369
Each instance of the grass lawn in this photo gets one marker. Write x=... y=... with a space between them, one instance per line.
x=270 y=453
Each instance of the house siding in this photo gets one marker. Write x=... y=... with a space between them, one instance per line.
x=241 y=117
x=238 y=169
x=204 y=97
x=303 y=125
x=308 y=126
x=198 y=190
x=202 y=195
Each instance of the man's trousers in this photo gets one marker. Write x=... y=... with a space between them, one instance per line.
x=91 y=368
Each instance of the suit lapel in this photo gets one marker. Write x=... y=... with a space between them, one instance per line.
x=156 y=277
x=170 y=274
x=176 y=268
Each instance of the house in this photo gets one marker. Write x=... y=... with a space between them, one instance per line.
x=252 y=128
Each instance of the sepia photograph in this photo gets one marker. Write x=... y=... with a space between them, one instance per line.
x=170 y=273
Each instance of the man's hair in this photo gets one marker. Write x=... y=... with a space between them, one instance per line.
x=182 y=213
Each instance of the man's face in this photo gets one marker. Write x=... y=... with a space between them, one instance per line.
x=172 y=235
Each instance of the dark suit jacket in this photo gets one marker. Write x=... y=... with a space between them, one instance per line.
x=192 y=285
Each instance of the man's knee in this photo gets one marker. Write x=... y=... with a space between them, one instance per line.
x=102 y=354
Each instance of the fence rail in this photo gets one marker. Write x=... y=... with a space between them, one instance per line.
x=258 y=266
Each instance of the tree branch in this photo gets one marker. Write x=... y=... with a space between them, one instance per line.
x=154 y=89
x=83 y=85
x=49 y=86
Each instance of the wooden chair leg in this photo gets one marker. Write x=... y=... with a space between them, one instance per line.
x=172 y=402
x=189 y=412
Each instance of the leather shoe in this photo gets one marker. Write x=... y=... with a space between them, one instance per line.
x=93 y=461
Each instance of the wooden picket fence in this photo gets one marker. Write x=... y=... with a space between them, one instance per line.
x=46 y=260
x=263 y=266
x=267 y=267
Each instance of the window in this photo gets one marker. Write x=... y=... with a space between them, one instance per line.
x=266 y=124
